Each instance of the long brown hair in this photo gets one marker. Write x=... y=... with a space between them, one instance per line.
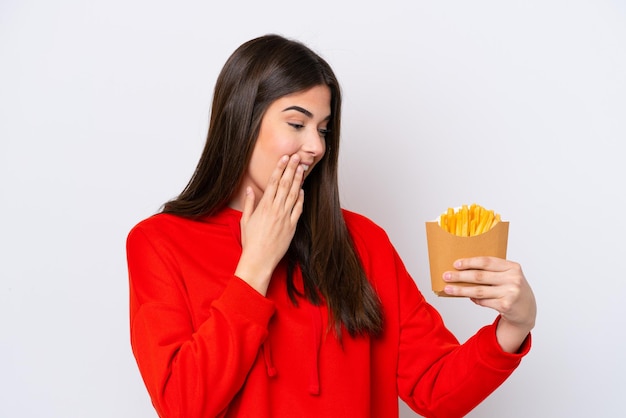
x=259 y=72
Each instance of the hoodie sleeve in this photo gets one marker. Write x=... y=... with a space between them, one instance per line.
x=190 y=373
x=437 y=376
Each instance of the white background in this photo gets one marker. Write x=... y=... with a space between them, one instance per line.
x=517 y=105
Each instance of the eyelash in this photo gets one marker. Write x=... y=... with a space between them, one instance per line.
x=297 y=126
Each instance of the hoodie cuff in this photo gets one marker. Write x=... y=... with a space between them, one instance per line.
x=492 y=354
x=241 y=299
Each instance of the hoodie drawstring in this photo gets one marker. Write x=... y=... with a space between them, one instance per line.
x=314 y=379
x=267 y=356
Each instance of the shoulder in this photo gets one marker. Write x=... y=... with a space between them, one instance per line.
x=357 y=222
x=170 y=224
x=179 y=232
x=165 y=228
x=153 y=231
x=157 y=224
x=377 y=254
x=364 y=231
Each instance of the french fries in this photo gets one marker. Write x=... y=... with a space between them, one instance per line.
x=468 y=221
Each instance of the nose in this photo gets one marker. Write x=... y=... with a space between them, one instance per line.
x=314 y=144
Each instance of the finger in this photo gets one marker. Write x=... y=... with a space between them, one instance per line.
x=287 y=185
x=482 y=263
x=275 y=177
x=248 y=205
x=478 y=292
x=297 y=207
x=498 y=297
x=492 y=303
x=295 y=188
x=484 y=277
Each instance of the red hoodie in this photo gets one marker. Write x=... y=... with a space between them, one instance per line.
x=208 y=345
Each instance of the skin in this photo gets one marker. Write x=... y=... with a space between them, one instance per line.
x=501 y=286
x=292 y=133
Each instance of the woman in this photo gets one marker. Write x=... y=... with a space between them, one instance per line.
x=253 y=294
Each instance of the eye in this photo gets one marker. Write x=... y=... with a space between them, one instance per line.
x=323 y=132
x=296 y=126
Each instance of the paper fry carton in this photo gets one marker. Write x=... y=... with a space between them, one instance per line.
x=444 y=248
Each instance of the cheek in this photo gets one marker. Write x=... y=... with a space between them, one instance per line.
x=260 y=166
x=265 y=158
x=285 y=146
x=278 y=147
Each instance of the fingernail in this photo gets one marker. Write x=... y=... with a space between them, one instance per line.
x=457 y=264
x=447 y=276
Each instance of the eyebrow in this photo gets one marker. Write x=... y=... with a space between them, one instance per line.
x=303 y=111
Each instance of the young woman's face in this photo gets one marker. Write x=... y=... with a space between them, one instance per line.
x=293 y=124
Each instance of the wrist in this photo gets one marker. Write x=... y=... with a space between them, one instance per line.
x=256 y=275
x=511 y=336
